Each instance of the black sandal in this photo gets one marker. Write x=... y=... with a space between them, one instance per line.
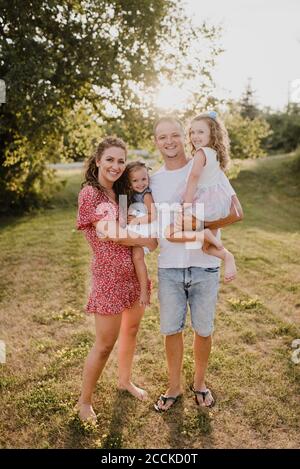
x=164 y=400
x=203 y=394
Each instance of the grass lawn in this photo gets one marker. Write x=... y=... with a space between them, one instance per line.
x=44 y=283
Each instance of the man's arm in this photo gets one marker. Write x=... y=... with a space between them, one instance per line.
x=236 y=214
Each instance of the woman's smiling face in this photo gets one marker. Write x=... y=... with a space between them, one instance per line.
x=111 y=165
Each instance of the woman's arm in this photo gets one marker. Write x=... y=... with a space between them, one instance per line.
x=112 y=231
x=192 y=183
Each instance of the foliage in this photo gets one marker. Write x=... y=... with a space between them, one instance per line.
x=108 y=56
x=296 y=165
x=80 y=133
x=250 y=368
x=247 y=103
x=286 y=129
x=246 y=135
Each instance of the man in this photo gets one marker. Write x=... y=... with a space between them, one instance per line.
x=185 y=276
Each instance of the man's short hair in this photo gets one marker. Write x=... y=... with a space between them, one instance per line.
x=170 y=119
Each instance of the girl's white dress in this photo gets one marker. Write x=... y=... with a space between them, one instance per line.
x=214 y=190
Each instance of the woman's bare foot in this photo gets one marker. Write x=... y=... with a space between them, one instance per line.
x=140 y=393
x=229 y=267
x=86 y=413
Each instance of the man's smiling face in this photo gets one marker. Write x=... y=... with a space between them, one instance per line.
x=169 y=139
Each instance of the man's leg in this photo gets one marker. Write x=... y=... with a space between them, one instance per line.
x=174 y=352
x=173 y=308
x=202 y=348
x=202 y=297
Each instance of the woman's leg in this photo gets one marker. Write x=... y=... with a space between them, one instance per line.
x=138 y=258
x=107 y=330
x=131 y=319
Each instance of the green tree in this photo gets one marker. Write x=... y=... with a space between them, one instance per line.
x=247 y=103
x=285 y=127
x=246 y=135
x=80 y=134
x=55 y=54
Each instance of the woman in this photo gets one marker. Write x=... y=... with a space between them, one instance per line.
x=114 y=298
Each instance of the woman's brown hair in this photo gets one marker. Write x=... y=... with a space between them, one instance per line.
x=91 y=172
x=219 y=139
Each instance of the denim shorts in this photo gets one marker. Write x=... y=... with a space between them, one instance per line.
x=193 y=286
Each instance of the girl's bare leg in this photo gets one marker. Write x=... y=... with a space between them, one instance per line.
x=227 y=257
x=131 y=319
x=107 y=330
x=141 y=272
x=209 y=236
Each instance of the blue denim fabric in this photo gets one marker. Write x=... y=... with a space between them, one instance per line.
x=193 y=286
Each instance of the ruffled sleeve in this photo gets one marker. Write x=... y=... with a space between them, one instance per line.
x=148 y=190
x=92 y=207
x=210 y=154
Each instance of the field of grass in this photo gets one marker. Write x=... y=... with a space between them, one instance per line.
x=44 y=283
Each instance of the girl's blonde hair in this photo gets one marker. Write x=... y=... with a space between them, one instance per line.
x=91 y=171
x=219 y=139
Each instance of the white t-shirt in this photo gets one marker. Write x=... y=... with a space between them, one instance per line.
x=165 y=186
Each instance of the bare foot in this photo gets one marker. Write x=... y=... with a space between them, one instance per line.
x=229 y=267
x=86 y=413
x=140 y=393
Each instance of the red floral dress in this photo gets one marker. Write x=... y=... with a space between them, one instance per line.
x=114 y=282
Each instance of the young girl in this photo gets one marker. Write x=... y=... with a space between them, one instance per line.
x=206 y=183
x=141 y=212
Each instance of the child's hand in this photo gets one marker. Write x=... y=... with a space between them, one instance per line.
x=178 y=222
x=144 y=298
x=185 y=221
x=133 y=220
x=99 y=234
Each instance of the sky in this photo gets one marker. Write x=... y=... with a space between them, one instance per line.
x=261 y=39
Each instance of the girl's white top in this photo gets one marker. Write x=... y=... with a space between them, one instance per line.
x=212 y=190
